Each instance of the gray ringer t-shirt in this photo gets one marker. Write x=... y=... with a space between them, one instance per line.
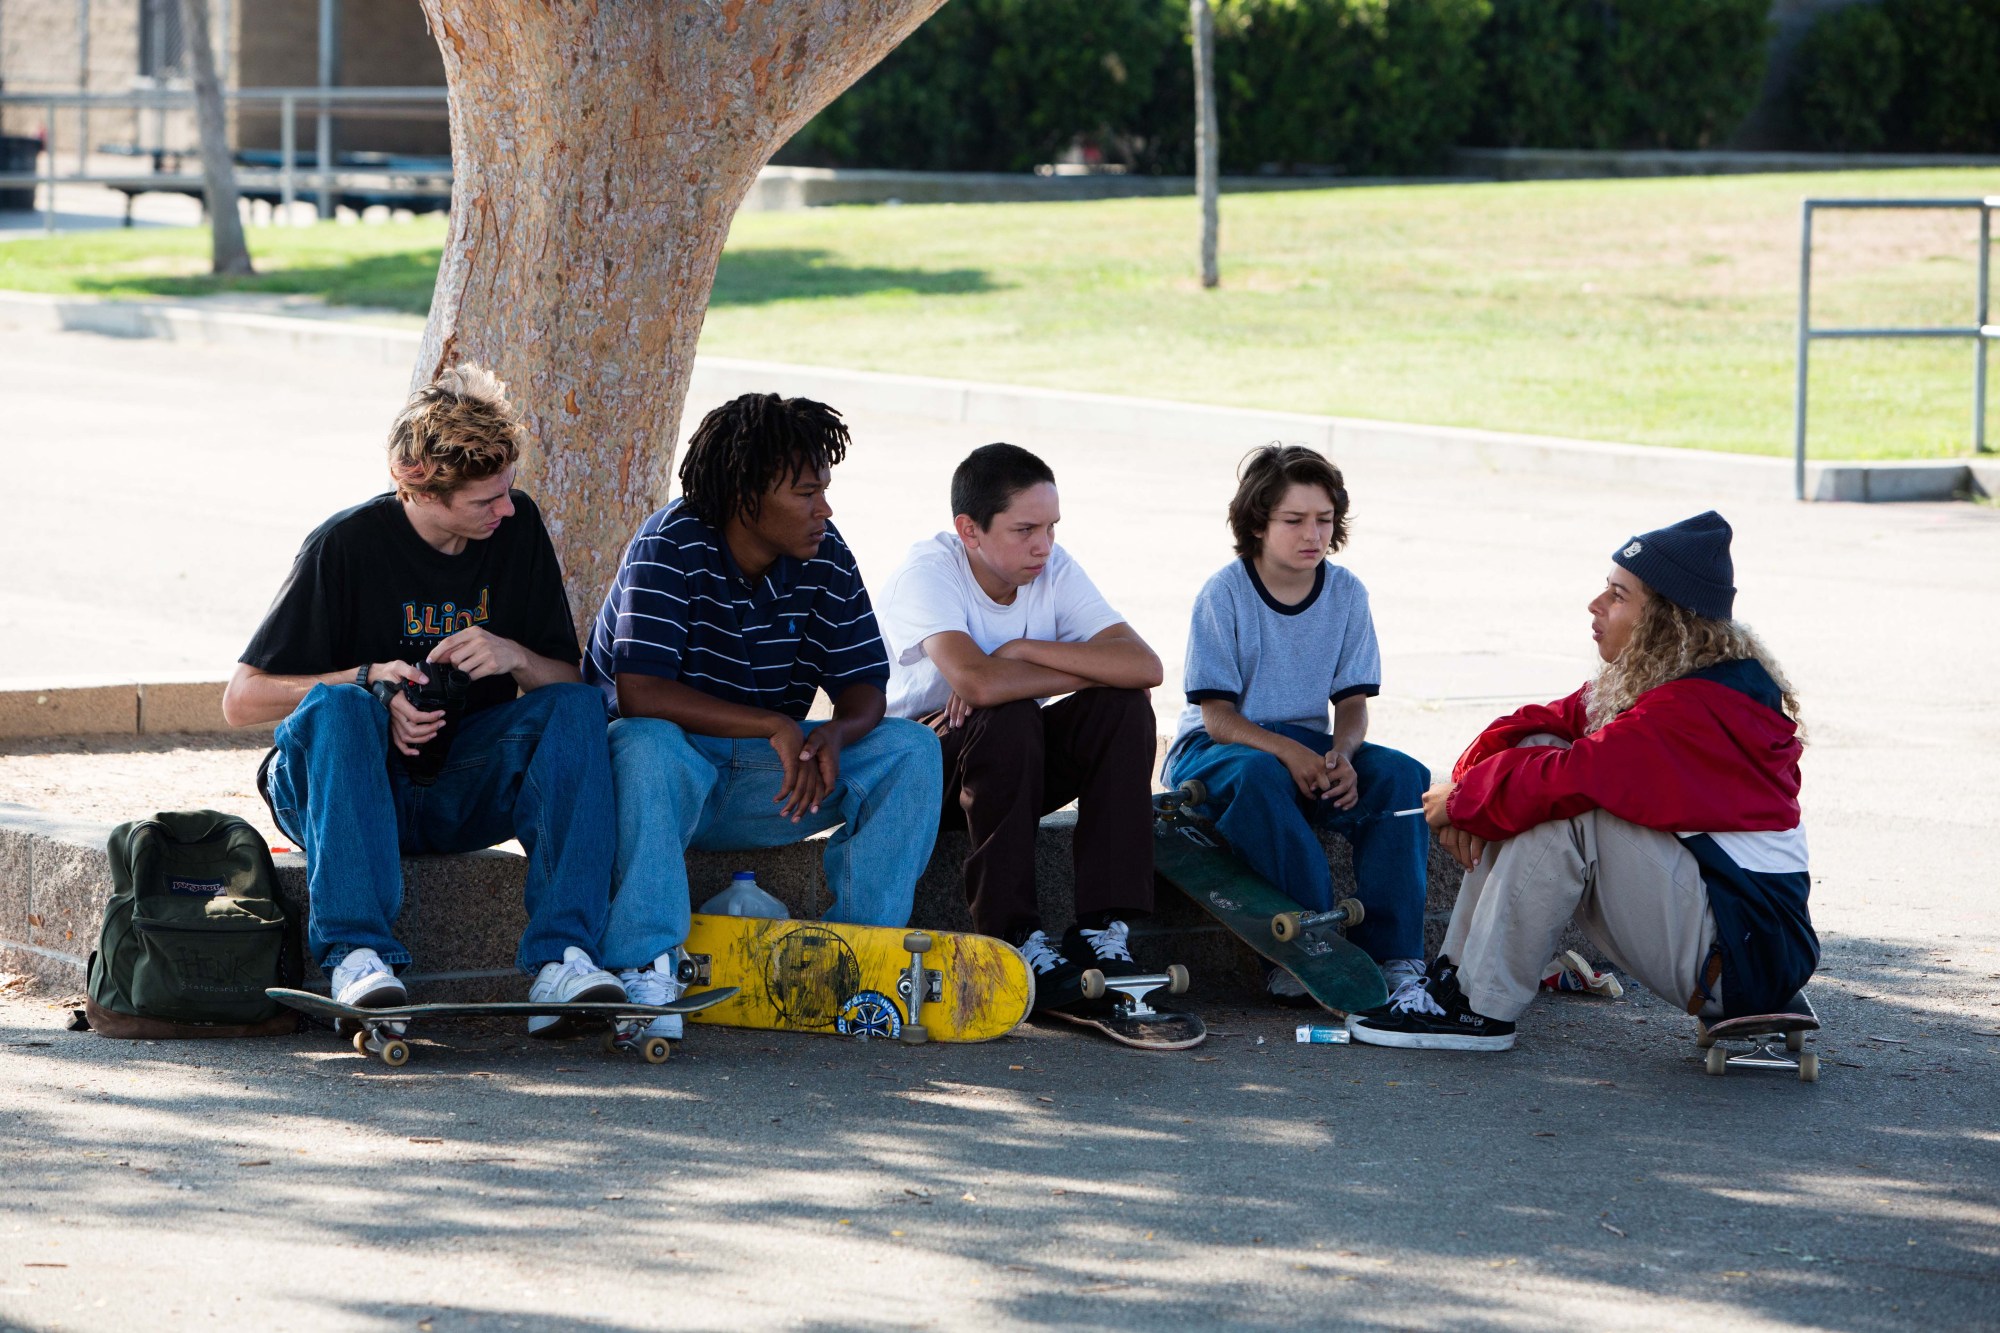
x=1278 y=663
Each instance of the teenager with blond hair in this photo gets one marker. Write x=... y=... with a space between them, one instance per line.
x=1657 y=807
x=448 y=581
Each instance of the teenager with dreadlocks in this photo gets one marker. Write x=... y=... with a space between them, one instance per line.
x=733 y=606
x=448 y=583
x=1658 y=807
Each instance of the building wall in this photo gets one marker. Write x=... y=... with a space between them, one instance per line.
x=383 y=43
x=41 y=50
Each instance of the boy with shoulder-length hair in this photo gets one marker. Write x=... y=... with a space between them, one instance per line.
x=987 y=620
x=1657 y=807
x=1280 y=635
x=449 y=581
x=732 y=608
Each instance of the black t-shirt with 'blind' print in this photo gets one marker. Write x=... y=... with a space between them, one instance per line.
x=366 y=588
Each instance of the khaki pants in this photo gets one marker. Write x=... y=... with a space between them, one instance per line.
x=1635 y=892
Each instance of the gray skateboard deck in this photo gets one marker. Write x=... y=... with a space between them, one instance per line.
x=379 y=1032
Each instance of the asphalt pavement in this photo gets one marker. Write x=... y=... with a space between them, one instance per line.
x=1594 y=1177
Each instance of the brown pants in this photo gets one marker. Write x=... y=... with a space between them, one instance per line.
x=1005 y=767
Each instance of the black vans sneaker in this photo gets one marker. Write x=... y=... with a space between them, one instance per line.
x=1108 y=950
x=1431 y=1014
x=1058 y=980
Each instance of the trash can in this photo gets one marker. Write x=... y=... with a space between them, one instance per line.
x=18 y=155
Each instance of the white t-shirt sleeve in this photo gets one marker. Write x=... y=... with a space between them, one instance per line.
x=1081 y=611
x=926 y=596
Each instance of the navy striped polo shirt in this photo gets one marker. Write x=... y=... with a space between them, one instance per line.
x=681 y=609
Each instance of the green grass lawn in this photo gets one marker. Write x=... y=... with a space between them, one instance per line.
x=1660 y=312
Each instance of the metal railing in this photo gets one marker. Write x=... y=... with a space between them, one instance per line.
x=1980 y=330
x=323 y=177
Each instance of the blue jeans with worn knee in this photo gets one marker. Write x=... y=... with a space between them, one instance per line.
x=1270 y=826
x=678 y=791
x=537 y=769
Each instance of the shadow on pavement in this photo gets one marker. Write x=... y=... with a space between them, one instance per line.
x=1050 y=1179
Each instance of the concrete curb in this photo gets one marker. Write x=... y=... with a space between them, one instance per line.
x=1526 y=164
x=1006 y=407
x=109 y=707
x=462 y=915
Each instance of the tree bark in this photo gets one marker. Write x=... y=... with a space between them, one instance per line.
x=1207 y=135
x=229 y=254
x=599 y=151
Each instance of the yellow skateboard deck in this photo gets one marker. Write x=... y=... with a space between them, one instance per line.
x=856 y=981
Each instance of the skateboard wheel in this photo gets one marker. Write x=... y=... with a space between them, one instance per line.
x=915 y=1034
x=917 y=941
x=1702 y=1036
x=1285 y=925
x=1718 y=1060
x=1809 y=1067
x=1356 y=913
x=609 y=1041
x=656 y=1050
x=1795 y=1042
x=1093 y=984
x=1194 y=792
x=1177 y=979
x=395 y=1052
x=361 y=1043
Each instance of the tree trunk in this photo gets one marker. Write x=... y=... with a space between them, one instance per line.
x=1207 y=135
x=218 y=169
x=599 y=151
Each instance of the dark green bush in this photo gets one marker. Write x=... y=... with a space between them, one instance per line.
x=1535 y=93
x=1683 y=73
x=1620 y=73
x=1850 y=67
x=1366 y=86
x=1002 y=85
x=1950 y=98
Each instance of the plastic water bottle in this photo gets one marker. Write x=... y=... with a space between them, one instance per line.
x=744 y=898
x=1323 y=1034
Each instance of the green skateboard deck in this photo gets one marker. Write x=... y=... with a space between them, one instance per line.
x=1190 y=855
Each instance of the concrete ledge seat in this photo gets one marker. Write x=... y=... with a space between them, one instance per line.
x=462 y=915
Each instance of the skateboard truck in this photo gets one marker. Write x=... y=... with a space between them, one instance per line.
x=1346 y=914
x=1132 y=991
x=1777 y=1041
x=915 y=986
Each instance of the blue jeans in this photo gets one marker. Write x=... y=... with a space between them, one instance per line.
x=1258 y=808
x=678 y=791
x=536 y=769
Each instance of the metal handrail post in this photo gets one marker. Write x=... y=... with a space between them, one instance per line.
x=289 y=143
x=1805 y=344
x=49 y=149
x=1979 y=341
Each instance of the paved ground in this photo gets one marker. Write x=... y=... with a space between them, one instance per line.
x=1591 y=1178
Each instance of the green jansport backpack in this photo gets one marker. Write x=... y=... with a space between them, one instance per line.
x=193 y=933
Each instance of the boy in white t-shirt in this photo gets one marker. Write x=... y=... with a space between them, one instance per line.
x=985 y=622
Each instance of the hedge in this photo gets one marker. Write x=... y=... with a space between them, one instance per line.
x=1620 y=73
x=1949 y=99
x=1850 y=66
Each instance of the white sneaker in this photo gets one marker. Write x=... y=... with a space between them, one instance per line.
x=657 y=984
x=575 y=980
x=362 y=979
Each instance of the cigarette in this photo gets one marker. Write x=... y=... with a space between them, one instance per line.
x=1413 y=810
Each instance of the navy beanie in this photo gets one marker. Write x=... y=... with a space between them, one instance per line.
x=1687 y=563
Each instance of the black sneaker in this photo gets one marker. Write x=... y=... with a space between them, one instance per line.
x=1431 y=1014
x=1108 y=950
x=1058 y=981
